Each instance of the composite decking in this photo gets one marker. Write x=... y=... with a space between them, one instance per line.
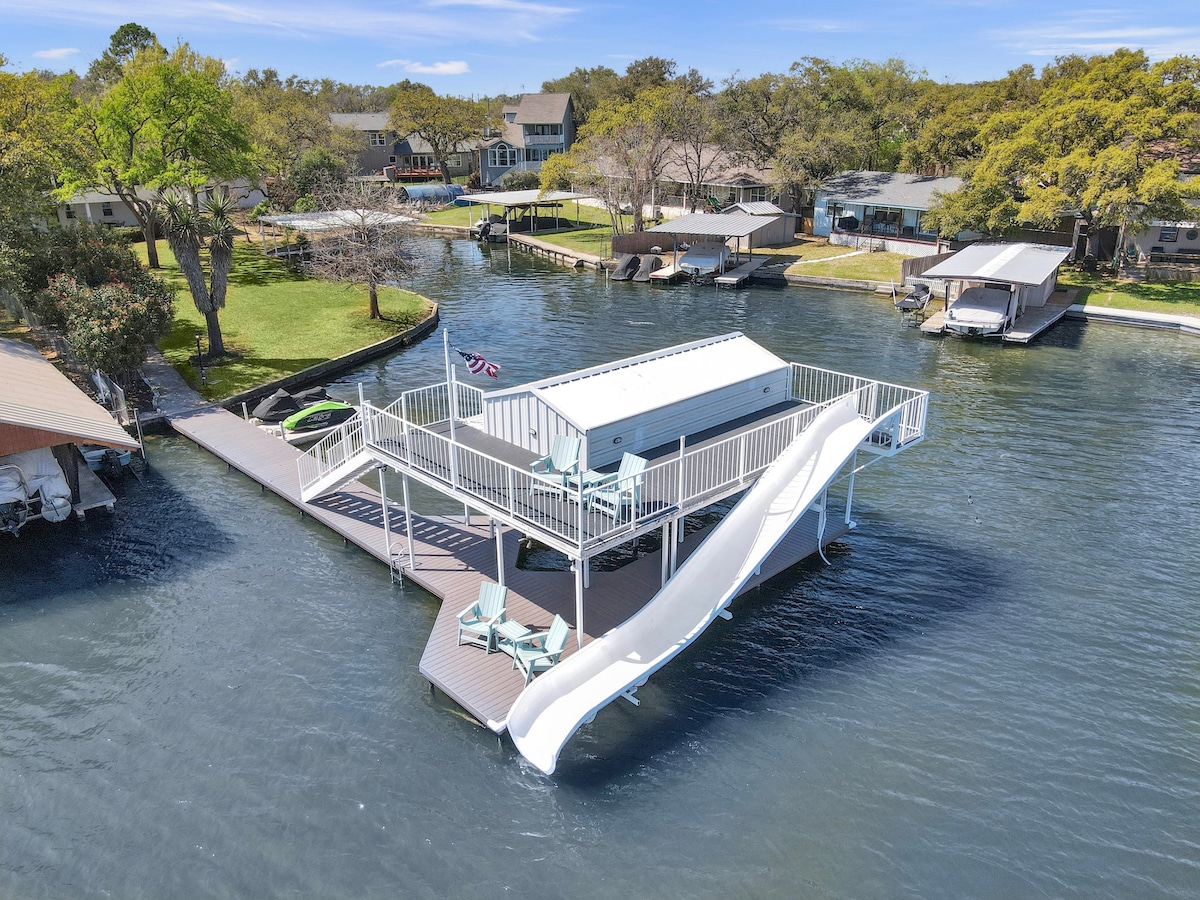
x=1030 y=324
x=453 y=558
x=735 y=277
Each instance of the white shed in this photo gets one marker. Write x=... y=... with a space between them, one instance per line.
x=642 y=402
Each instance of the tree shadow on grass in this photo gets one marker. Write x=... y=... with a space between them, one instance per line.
x=251 y=268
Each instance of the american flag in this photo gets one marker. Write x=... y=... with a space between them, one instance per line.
x=478 y=365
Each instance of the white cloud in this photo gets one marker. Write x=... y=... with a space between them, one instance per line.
x=827 y=26
x=450 y=67
x=1096 y=32
x=56 y=53
x=508 y=21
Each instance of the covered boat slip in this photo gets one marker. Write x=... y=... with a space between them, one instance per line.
x=709 y=228
x=998 y=290
x=520 y=211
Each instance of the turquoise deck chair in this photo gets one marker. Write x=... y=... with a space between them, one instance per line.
x=562 y=462
x=623 y=487
x=540 y=651
x=479 y=620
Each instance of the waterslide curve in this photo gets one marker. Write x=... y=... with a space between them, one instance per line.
x=562 y=699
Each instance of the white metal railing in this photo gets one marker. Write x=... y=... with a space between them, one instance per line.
x=585 y=517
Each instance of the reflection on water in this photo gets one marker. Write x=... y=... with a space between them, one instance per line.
x=989 y=691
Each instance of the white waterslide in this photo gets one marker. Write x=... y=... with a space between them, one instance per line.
x=562 y=699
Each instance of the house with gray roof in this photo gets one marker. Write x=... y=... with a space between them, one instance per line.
x=406 y=158
x=883 y=208
x=534 y=129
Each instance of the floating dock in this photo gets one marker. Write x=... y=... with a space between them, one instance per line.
x=735 y=277
x=1030 y=324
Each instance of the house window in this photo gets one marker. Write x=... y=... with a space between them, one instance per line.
x=502 y=156
x=756 y=195
x=543 y=129
x=835 y=211
x=421 y=161
x=70 y=211
x=540 y=154
x=106 y=209
x=454 y=160
x=1168 y=235
x=376 y=138
x=391 y=159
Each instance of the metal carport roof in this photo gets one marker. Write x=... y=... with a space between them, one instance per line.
x=710 y=224
x=40 y=407
x=1012 y=263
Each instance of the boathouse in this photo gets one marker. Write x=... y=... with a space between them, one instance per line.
x=638 y=404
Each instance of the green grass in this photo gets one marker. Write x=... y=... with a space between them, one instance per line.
x=1181 y=297
x=276 y=321
x=594 y=235
x=861 y=267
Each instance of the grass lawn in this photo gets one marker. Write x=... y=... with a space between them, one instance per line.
x=862 y=266
x=594 y=236
x=276 y=321
x=1182 y=297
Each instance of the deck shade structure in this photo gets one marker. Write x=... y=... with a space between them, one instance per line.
x=725 y=226
x=40 y=407
x=1027 y=270
x=636 y=404
x=530 y=199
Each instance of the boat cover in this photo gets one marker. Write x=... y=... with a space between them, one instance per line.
x=981 y=310
x=627 y=266
x=277 y=407
x=43 y=476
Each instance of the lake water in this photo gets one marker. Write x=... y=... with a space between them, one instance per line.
x=992 y=690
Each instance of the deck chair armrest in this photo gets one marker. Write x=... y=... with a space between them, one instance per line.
x=529 y=640
x=496 y=619
x=474 y=607
x=540 y=465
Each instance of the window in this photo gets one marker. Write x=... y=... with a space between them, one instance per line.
x=421 y=161
x=756 y=195
x=543 y=129
x=454 y=160
x=70 y=211
x=502 y=156
x=106 y=209
x=540 y=154
x=376 y=139
x=391 y=159
x=835 y=211
x=1168 y=235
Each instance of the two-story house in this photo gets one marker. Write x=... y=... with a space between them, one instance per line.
x=541 y=124
x=408 y=158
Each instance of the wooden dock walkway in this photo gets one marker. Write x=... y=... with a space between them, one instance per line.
x=741 y=273
x=452 y=559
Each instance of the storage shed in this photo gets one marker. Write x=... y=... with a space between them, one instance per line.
x=642 y=402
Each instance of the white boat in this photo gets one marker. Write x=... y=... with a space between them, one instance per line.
x=704 y=259
x=981 y=312
x=32 y=486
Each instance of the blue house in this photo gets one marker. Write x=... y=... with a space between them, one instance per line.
x=883 y=208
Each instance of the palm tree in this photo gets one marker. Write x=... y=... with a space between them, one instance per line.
x=186 y=230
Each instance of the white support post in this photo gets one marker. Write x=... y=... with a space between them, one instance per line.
x=850 y=488
x=587 y=572
x=387 y=524
x=579 y=603
x=498 y=527
x=664 y=563
x=675 y=529
x=412 y=554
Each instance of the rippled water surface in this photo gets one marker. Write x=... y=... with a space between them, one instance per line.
x=991 y=691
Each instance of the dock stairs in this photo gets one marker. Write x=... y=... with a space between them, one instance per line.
x=337 y=459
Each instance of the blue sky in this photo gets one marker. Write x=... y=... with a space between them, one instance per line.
x=484 y=47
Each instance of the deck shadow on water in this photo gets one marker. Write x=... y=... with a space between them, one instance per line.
x=154 y=533
x=786 y=636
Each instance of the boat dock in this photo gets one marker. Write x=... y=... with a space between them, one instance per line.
x=666 y=274
x=452 y=559
x=735 y=277
x=1029 y=325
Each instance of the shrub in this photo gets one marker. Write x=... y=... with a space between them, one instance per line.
x=110 y=326
x=520 y=181
x=262 y=209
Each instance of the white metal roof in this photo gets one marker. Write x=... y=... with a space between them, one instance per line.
x=626 y=388
x=758 y=208
x=40 y=407
x=1011 y=263
x=521 y=198
x=334 y=219
x=726 y=226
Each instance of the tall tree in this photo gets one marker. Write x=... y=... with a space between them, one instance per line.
x=1101 y=140
x=696 y=132
x=124 y=44
x=191 y=229
x=370 y=246
x=588 y=89
x=445 y=122
x=168 y=122
x=619 y=155
x=32 y=139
